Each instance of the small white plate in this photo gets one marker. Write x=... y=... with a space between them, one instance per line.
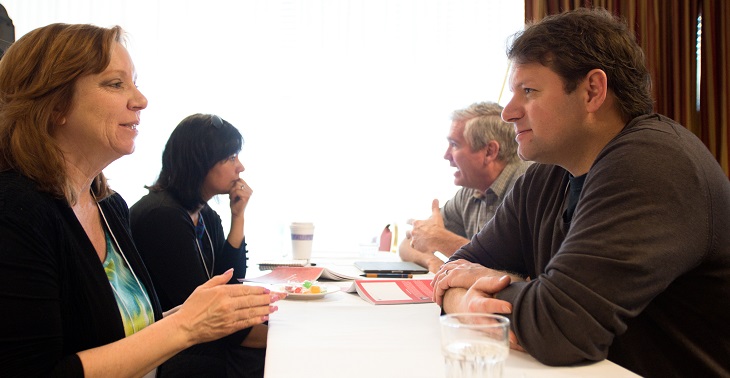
x=330 y=289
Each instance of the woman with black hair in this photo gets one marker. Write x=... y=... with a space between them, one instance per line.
x=181 y=238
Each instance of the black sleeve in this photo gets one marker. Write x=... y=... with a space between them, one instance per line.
x=166 y=240
x=227 y=256
x=32 y=335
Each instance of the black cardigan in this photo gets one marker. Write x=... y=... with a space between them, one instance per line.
x=54 y=294
x=165 y=236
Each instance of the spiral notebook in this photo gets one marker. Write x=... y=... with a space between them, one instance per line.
x=270 y=265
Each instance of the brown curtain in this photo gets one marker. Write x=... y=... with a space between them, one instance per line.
x=667 y=31
x=715 y=81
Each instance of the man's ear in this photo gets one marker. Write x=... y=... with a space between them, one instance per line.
x=491 y=151
x=596 y=87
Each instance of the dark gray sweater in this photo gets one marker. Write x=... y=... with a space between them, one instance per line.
x=641 y=275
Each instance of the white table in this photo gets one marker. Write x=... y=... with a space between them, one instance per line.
x=341 y=335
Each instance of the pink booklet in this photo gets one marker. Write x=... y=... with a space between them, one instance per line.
x=394 y=291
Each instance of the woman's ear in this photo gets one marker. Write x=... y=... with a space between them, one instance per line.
x=58 y=119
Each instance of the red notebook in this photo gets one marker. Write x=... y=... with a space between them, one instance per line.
x=395 y=291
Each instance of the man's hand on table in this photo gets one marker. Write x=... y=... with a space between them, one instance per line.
x=479 y=285
x=460 y=273
x=474 y=289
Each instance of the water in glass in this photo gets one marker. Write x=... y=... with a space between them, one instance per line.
x=475 y=359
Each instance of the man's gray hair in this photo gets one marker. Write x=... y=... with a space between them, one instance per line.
x=483 y=123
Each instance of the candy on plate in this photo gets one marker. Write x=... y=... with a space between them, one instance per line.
x=306 y=287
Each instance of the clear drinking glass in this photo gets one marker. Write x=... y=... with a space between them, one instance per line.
x=474 y=345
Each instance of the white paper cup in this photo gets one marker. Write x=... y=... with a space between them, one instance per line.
x=302 y=235
x=474 y=345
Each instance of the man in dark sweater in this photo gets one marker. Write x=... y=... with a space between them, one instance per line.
x=617 y=242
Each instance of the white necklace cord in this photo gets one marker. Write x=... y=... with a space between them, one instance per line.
x=126 y=310
x=212 y=252
x=121 y=252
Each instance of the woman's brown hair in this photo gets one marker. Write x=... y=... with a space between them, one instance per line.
x=38 y=74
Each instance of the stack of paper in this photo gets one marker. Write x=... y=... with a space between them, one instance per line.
x=284 y=274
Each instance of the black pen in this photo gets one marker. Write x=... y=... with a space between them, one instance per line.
x=387 y=275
